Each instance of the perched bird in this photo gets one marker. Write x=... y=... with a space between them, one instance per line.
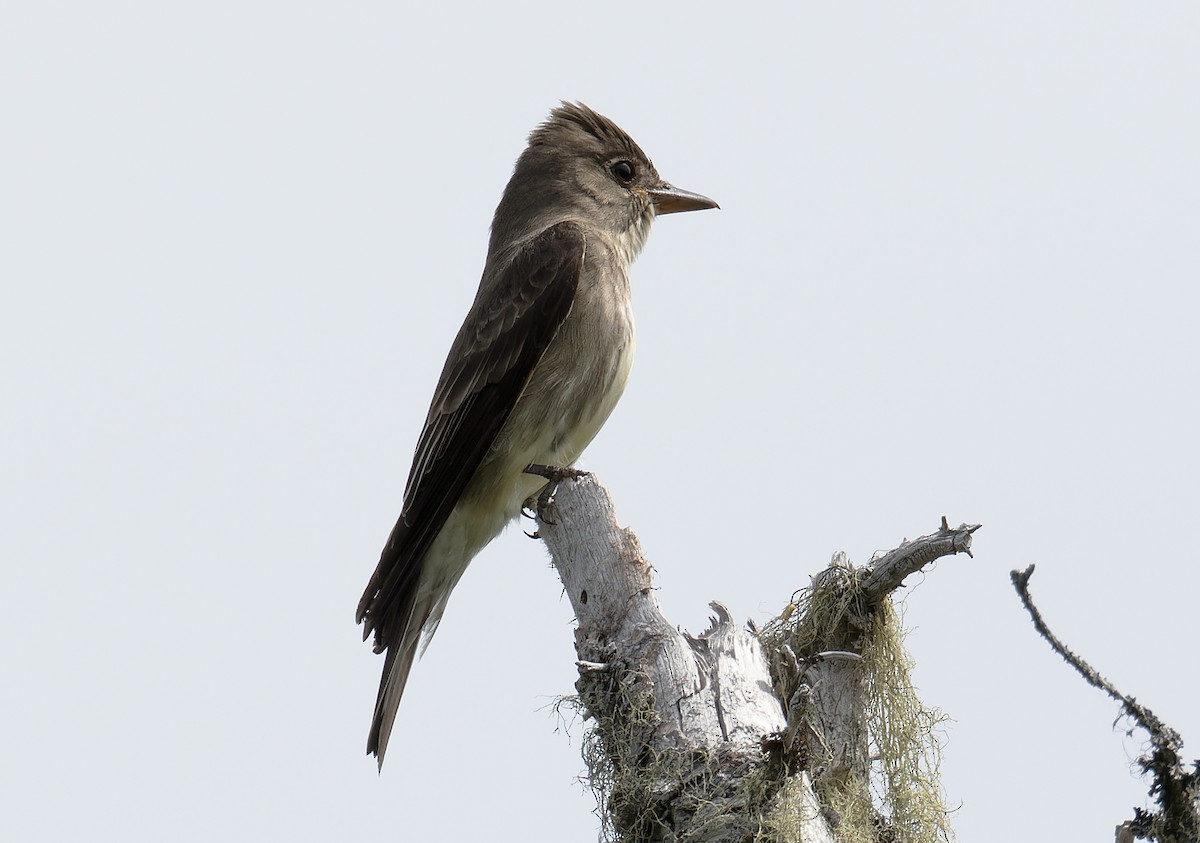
x=538 y=365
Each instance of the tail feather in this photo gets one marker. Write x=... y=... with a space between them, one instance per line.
x=396 y=666
x=405 y=624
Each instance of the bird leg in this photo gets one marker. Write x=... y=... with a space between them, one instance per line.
x=555 y=474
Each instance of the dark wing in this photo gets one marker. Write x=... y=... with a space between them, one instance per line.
x=508 y=328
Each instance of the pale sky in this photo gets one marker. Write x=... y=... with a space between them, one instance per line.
x=954 y=273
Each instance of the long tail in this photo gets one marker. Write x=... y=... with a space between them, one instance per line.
x=396 y=665
x=403 y=605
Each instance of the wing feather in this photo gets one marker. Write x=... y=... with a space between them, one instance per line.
x=511 y=323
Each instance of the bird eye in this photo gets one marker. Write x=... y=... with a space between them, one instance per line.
x=623 y=171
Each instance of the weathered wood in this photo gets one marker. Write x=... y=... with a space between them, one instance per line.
x=889 y=570
x=709 y=688
x=694 y=742
x=710 y=695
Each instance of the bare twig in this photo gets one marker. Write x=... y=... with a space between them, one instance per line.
x=889 y=570
x=1176 y=791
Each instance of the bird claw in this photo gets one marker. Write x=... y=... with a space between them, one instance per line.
x=545 y=499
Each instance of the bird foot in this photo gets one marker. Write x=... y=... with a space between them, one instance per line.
x=545 y=498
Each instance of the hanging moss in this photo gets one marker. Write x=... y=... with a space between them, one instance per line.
x=755 y=795
x=901 y=797
x=725 y=792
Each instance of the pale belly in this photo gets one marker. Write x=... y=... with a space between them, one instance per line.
x=569 y=397
x=554 y=421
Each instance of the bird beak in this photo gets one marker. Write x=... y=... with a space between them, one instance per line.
x=672 y=200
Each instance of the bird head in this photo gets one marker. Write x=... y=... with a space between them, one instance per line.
x=581 y=165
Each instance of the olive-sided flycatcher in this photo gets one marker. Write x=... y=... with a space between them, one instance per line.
x=534 y=372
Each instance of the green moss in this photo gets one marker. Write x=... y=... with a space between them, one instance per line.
x=900 y=796
x=643 y=796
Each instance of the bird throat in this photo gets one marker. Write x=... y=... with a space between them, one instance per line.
x=629 y=242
